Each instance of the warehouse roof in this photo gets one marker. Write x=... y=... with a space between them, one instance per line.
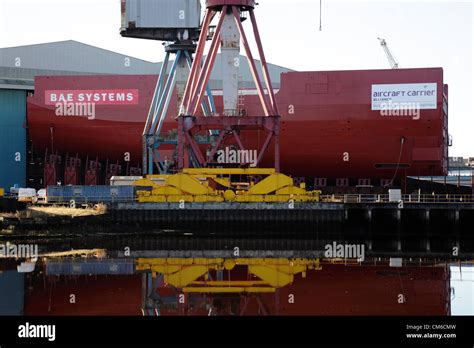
x=19 y=65
x=72 y=56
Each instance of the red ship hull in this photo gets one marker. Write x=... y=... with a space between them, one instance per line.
x=329 y=127
x=334 y=290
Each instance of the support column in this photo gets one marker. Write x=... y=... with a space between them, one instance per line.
x=230 y=49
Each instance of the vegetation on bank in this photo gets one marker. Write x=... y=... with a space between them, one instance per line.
x=45 y=211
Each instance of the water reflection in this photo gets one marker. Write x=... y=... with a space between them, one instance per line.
x=462 y=284
x=169 y=274
x=91 y=283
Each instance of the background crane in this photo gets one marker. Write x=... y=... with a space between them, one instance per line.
x=391 y=59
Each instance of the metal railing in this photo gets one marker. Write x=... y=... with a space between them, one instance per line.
x=347 y=198
x=406 y=198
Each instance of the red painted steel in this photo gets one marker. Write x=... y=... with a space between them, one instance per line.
x=335 y=290
x=72 y=170
x=223 y=123
x=253 y=67
x=198 y=56
x=51 y=169
x=95 y=295
x=202 y=75
x=92 y=175
x=323 y=115
x=197 y=82
x=266 y=74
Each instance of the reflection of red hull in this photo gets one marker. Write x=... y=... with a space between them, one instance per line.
x=335 y=290
x=332 y=116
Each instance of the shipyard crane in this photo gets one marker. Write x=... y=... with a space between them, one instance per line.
x=144 y=20
x=391 y=59
x=230 y=123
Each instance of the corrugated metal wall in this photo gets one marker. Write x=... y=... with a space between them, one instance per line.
x=90 y=267
x=164 y=13
x=12 y=138
x=90 y=194
x=12 y=292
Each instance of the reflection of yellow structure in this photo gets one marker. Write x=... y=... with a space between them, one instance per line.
x=191 y=274
x=219 y=185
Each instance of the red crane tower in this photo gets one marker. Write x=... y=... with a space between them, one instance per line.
x=228 y=122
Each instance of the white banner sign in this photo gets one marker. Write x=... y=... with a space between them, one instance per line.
x=400 y=96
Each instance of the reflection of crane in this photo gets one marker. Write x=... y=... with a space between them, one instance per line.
x=391 y=58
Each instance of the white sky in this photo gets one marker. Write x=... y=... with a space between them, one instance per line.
x=431 y=33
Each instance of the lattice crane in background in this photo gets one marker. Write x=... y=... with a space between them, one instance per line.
x=391 y=59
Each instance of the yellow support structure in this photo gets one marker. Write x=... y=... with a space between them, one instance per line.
x=215 y=185
x=185 y=275
x=145 y=182
x=270 y=184
x=191 y=274
x=188 y=184
x=243 y=283
x=276 y=276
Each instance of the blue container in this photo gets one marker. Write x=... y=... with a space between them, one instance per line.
x=122 y=193
x=12 y=138
x=102 y=194
x=90 y=267
x=90 y=194
x=57 y=194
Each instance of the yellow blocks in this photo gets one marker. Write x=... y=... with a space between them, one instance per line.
x=216 y=185
x=190 y=274
x=176 y=188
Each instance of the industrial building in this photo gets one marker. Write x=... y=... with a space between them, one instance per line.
x=18 y=68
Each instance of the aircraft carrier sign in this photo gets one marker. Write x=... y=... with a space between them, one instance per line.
x=399 y=96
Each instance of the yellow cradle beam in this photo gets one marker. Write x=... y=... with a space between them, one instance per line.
x=183 y=273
